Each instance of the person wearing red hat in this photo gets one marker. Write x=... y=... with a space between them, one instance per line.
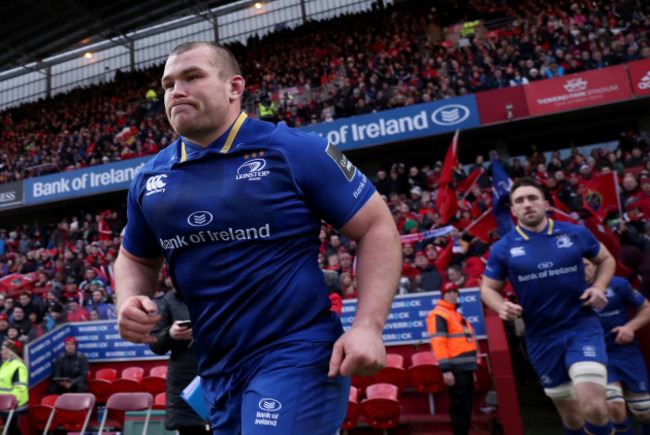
x=70 y=370
x=13 y=380
x=454 y=344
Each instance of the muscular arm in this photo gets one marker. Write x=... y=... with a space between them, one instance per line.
x=594 y=296
x=625 y=333
x=135 y=283
x=360 y=351
x=491 y=296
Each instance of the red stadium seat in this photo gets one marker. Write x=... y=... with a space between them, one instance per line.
x=130 y=381
x=102 y=384
x=361 y=382
x=394 y=372
x=73 y=411
x=160 y=401
x=40 y=413
x=425 y=373
x=119 y=403
x=8 y=404
x=352 y=415
x=381 y=407
x=156 y=381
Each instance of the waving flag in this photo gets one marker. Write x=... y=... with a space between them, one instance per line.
x=485 y=228
x=465 y=186
x=501 y=198
x=601 y=195
x=447 y=202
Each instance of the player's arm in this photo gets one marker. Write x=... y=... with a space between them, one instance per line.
x=625 y=333
x=594 y=296
x=361 y=351
x=491 y=296
x=135 y=284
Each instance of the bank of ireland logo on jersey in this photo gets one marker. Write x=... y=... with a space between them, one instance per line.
x=268 y=414
x=200 y=218
x=564 y=241
x=156 y=184
x=254 y=167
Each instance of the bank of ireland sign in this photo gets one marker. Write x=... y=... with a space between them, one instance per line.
x=398 y=124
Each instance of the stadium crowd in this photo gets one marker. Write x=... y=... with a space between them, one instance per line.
x=399 y=58
x=397 y=55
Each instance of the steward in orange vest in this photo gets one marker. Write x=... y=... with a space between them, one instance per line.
x=454 y=344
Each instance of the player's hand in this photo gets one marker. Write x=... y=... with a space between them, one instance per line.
x=358 y=352
x=449 y=379
x=594 y=297
x=624 y=334
x=136 y=317
x=180 y=332
x=510 y=310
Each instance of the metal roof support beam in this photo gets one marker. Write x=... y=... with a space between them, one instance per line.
x=132 y=54
x=48 y=81
x=215 y=28
x=303 y=11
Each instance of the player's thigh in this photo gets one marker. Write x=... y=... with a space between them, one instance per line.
x=293 y=400
x=585 y=346
x=547 y=358
x=288 y=396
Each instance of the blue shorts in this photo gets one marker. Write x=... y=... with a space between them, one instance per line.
x=552 y=356
x=286 y=392
x=629 y=369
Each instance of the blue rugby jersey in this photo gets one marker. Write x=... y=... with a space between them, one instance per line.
x=238 y=223
x=620 y=295
x=546 y=271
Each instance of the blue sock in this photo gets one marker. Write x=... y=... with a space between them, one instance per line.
x=624 y=428
x=592 y=429
x=568 y=431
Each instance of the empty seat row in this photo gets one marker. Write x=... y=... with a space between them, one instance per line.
x=423 y=374
x=132 y=379
x=72 y=411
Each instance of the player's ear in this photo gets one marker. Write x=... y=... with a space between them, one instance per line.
x=237 y=87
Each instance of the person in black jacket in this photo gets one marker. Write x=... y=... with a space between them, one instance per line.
x=182 y=366
x=70 y=370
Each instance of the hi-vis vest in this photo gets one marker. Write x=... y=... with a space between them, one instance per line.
x=17 y=386
x=267 y=110
x=452 y=338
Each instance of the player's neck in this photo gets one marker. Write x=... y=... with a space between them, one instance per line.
x=536 y=228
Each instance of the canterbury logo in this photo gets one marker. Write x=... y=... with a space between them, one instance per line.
x=156 y=184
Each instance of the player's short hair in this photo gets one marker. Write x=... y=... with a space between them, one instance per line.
x=525 y=182
x=223 y=58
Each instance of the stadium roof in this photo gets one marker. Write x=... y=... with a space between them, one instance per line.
x=37 y=29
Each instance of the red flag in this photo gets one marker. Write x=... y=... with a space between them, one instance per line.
x=447 y=202
x=466 y=185
x=609 y=239
x=561 y=216
x=485 y=227
x=601 y=195
x=451 y=162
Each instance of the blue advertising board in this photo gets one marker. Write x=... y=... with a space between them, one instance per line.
x=399 y=124
x=99 y=341
x=81 y=182
x=406 y=322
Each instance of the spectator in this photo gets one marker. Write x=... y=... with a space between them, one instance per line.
x=172 y=334
x=20 y=321
x=4 y=325
x=97 y=303
x=75 y=312
x=13 y=380
x=430 y=278
x=70 y=370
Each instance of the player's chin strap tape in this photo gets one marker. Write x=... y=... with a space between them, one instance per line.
x=565 y=391
x=588 y=371
x=614 y=393
x=638 y=404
